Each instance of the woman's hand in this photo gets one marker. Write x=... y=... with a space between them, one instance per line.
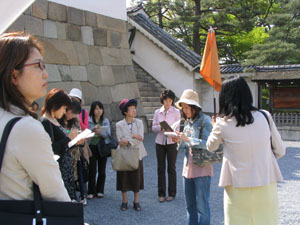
x=96 y=129
x=138 y=137
x=123 y=142
x=73 y=133
x=183 y=137
x=81 y=141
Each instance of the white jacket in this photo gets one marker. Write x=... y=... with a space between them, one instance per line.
x=29 y=158
x=248 y=160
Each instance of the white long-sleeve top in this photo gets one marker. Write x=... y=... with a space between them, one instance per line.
x=248 y=160
x=29 y=158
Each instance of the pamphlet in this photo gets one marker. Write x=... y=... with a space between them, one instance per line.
x=165 y=126
x=172 y=134
x=87 y=133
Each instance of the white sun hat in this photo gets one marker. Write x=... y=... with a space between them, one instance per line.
x=75 y=92
x=189 y=97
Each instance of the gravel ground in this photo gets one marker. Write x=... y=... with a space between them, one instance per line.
x=107 y=211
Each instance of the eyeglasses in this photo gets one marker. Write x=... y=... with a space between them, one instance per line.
x=40 y=63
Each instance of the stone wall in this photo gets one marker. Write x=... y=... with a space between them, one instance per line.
x=84 y=50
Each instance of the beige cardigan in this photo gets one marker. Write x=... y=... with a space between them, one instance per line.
x=248 y=160
x=123 y=131
x=29 y=158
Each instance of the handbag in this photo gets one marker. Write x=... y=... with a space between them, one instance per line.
x=125 y=158
x=203 y=157
x=37 y=211
x=104 y=149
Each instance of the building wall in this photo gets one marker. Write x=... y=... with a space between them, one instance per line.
x=164 y=68
x=85 y=50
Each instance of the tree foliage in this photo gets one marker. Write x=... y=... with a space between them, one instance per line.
x=240 y=24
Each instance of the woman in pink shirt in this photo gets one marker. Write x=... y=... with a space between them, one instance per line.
x=165 y=147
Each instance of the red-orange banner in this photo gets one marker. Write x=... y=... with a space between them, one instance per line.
x=210 y=69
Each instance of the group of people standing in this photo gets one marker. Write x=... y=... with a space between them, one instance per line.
x=249 y=169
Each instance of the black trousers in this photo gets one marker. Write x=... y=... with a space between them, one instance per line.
x=169 y=152
x=94 y=187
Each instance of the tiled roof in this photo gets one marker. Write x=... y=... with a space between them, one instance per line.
x=235 y=68
x=182 y=51
x=278 y=68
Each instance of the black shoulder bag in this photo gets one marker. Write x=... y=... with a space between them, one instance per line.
x=203 y=157
x=37 y=211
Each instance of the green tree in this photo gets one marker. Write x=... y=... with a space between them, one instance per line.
x=283 y=44
x=189 y=20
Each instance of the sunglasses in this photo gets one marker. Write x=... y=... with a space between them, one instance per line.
x=41 y=64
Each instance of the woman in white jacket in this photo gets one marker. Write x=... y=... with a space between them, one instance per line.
x=249 y=171
x=28 y=154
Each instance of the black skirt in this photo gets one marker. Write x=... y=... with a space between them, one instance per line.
x=131 y=180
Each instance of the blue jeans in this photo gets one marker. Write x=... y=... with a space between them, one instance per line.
x=197 y=191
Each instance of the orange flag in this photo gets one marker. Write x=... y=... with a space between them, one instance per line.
x=210 y=69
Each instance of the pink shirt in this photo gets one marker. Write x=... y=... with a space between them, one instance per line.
x=84 y=124
x=171 y=116
x=190 y=170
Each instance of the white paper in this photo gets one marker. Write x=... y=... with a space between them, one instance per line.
x=56 y=157
x=87 y=133
x=173 y=134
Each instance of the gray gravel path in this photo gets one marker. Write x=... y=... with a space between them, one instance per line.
x=107 y=211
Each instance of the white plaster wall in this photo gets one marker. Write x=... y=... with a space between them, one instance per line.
x=160 y=65
x=206 y=95
x=112 y=8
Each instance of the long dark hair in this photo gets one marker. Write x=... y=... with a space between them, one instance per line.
x=15 y=49
x=55 y=99
x=236 y=100
x=93 y=106
x=76 y=109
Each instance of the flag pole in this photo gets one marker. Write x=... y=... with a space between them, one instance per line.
x=214 y=100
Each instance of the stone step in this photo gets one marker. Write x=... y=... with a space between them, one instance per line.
x=150 y=109
x=151 y=104
x=150 y=93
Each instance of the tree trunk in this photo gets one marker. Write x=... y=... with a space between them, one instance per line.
x=160 y=15
x=196 y=26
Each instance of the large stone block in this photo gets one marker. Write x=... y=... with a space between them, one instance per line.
x=108 y=113
x=107 y=75
x=119 y=74
x=66 y=86
x=78 y=73
x=87 y=35
x=53 y=73
x=124 y=40
x=28 y=11
x=75 y=16
x=34 y=26
x=18 y=25
x=90 y=19
x=73 y=32
x=65 y=72
x=130 y=74
x=82 y=53
x=114 y=39
x=115 y=56
x=94 y=74
x=95 y=55
x=90 y=92
x=105 y=95
x=100 y=37
x=127 y=90
x=50 y=30
x=116 y=113
x=111 y=23
x=61 y=31
x=59 y=52
x=57 y=12
x=40 y=9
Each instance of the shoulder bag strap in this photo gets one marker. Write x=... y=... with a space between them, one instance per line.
x=5 y=135
x=181 y=126
x=265 y=115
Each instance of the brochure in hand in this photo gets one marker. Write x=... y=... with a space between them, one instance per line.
x=166 y=126
x=87 y=133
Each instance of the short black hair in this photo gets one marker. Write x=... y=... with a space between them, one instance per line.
x=167 y=93
x=127 y=106
x=236 y=100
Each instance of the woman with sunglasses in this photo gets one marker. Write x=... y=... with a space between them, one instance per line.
x=28 y=153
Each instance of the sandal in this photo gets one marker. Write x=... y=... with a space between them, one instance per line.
x=161 y=199
x=170 y=198
x=124 y=206
x=137 y=206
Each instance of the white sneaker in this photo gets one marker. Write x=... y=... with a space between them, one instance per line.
x=90 y=196
x=100 y=195
x=83 y=201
